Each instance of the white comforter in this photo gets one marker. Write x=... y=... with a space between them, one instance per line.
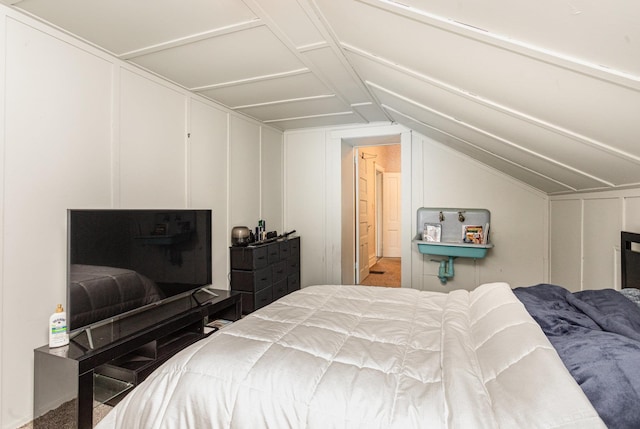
x=365 y=357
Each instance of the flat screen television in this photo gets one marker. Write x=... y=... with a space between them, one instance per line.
x=121 y=261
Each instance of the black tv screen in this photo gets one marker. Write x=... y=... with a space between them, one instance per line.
x=123 y=260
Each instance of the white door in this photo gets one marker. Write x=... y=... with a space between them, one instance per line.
x=363 y=221
x=378 y=207
x=371 y=210
x=391 y=215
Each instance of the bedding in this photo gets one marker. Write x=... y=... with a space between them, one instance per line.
x=632 y=294
x=98 y=292
x=351 y=356
x=597 y=335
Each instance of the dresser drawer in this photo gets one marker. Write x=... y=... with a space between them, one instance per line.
x=248 y=258
x=253 y=301
x=273 y=253
x=262 y=298
x=251 y=281
x=280 y=289
x=293 y=266
x=284 y=250
x=293 y=282
x=279 y=272
x=294 y=248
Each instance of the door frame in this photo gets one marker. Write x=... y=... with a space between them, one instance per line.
x=340 y=143
x=379 y=213
x=377 y=178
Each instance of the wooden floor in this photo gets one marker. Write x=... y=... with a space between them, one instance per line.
x=386 y=272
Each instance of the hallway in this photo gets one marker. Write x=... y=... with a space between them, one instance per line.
x=385 y=272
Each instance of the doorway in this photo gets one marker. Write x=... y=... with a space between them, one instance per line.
x=378 y=215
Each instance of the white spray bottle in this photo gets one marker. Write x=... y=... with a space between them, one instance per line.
x=58 y=335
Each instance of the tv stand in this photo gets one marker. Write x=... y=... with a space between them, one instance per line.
x=87 y=332
x=208 y=289
x=113 y=358
x=208 y=292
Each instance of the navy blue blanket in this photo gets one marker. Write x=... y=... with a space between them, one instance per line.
x=597 y=335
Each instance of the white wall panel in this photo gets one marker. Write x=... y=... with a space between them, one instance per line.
x=244 y=173
x=57 y=155
x=445 y=179
x=601 y=241
x=84 y=130
x=632 y=214
x=585 y=249
x=271 y=179
x=565 y=243
x=152 y=143
x=208 y=179
x=305 y=193
x=518 y=219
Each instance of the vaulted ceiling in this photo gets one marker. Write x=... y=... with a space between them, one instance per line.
x=546 y=91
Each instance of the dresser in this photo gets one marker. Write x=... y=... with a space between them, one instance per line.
x=263 y=273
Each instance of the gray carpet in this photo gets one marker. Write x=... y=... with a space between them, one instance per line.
x=63 y=417
x=386 y=272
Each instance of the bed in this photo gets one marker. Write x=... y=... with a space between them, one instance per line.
x=99 y=292
x=597 y=335
x=348 y=356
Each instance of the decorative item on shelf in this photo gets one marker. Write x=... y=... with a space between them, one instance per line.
x=216 y=325
x=473 y=234
x=219 y=323
x=240 y=236
x=432 y=232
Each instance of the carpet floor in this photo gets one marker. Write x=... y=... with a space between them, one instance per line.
x=385 y=272
x=64 y=416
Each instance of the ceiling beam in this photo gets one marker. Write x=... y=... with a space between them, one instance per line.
x=242 y=26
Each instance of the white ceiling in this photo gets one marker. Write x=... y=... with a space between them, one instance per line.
x=546 y=91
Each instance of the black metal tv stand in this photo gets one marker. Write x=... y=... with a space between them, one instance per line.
x=121 y=354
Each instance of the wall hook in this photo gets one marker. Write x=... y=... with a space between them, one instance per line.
x=460 y=216
x=365 y=155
